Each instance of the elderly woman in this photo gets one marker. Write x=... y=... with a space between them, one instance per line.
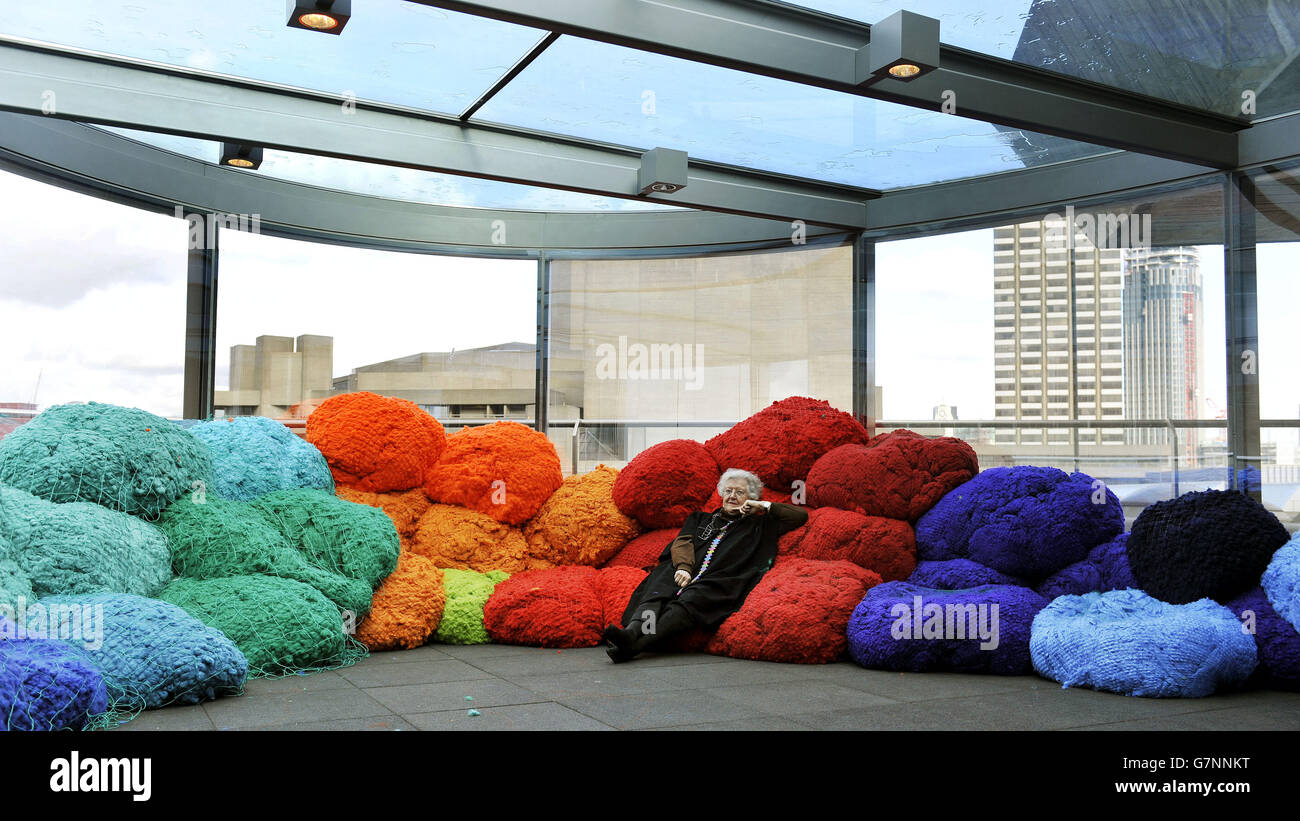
x=706 y=573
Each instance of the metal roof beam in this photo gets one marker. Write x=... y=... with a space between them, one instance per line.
x=812 y=48
x=150 y=97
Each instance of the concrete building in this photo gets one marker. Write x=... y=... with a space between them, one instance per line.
x=1058 y=339
x=269 y=378
x=1163 y=322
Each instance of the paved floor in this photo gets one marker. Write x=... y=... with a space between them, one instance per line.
x=528 y=688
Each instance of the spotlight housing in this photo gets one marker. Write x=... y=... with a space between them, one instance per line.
x=325 y=16
x=239 y=155
x=663 y=171
x=903 y=46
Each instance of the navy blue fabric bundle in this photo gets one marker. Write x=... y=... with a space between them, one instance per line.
x=1127 y=642
x=1105 y=568
x=1023 y=521
x=1205 y=544
x=905 y=627
x=45 y=684
x=956 y=574
x=1277 y=643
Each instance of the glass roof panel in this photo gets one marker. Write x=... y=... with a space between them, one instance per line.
x=391 y=51
x=1201 y=53
x=648 y=100
x=390 y=182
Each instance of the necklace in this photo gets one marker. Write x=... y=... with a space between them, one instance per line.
x=708 y=555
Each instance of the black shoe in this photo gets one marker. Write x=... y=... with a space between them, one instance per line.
x=617 y=644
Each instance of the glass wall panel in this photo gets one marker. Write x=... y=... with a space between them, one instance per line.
x=987 y=335
x=92 y=303
x=298 y=322
x=1277 y=200
x=648 y=350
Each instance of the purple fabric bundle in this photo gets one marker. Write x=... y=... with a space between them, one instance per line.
x=1023 y=521
x=1207 y=544
x=1276 y=642
x=957 y=574
x=46 y=684
x=905 y=627
x=1105 y=568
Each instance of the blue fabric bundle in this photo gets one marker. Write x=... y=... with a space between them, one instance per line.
x=1207 y=544
x=122 y=458
x=956 y=574
x=1127 y=642
x=151 y=653
x=905 y=627
x=253 y=456
x=1023 y=521
x=1277 y=643
x=1281 y=581
x=1105 y=568
x=45 y=684
x=80 y=547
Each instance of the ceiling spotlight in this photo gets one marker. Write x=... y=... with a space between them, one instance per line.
x=903 y=46
x=663 y=171
x=238 y=155
x=328 y=16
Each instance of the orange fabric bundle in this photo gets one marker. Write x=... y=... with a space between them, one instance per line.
x=376 y=443
x=404 y=508
x=407 y=607
x=504 y=469
x=465 y=539
x=580 y=524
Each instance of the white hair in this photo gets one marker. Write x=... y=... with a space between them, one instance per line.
x=753 y=484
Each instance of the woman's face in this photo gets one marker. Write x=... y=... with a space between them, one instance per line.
x=734 y=494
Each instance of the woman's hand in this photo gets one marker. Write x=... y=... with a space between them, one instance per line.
x=754 y=507
x=682 y=578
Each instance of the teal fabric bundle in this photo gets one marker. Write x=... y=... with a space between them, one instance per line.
x=253 y=456
x=80 y=547
x=125 y=459
x=151 y=653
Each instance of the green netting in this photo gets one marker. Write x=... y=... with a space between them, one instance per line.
x=217 y=538
x=80 y=547
x=356 y=540
x=14 y=583
x=125 y=459
x=462 y=617
x=281 y=626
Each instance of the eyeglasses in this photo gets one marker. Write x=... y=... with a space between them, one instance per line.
x=734 y=492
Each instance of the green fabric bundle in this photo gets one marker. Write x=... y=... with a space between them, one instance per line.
x=79 y=547
x=358 y=541
x=219 y=538
x=462 y=617
x=280 y=625
x=125 y=459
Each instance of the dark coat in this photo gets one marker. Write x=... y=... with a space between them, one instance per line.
x=745 y=553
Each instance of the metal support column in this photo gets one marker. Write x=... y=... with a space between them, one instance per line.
x=1241 y=301
x=200 y=317
x=864 y=333
x=542 y=415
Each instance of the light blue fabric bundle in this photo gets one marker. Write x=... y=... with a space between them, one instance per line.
x=1281 y=581
x=253 y=456
x=1124 y=641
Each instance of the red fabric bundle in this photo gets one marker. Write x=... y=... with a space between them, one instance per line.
x=899 y=475
x=561 y=607
x=644 y=551
x=886 y=546
x=665 y=483
x=505 y=470
x=798 y=613
x=781 y=442
x=376 y=443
